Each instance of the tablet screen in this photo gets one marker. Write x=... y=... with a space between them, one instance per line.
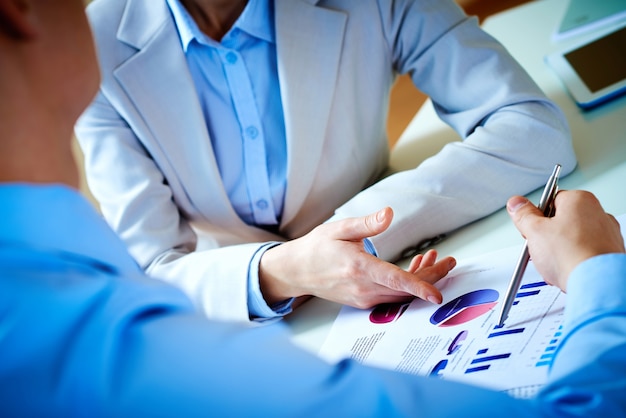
x=602 y=62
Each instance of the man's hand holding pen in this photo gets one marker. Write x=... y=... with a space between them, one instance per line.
x=578 y=231
x=546 y=207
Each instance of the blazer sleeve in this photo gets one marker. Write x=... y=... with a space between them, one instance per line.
x=138 y=203
x=511 y=134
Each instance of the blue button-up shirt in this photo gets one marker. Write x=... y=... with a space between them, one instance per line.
x=244 y=116
x=237 y=83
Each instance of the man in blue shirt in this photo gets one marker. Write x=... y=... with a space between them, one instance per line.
x=84 y=333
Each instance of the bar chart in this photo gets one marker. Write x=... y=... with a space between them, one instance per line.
x=531 y=336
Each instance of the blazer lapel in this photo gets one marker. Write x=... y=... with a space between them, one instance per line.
x=157 y=76
x=308 y=42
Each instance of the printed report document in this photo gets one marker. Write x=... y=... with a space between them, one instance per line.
x=460 y=339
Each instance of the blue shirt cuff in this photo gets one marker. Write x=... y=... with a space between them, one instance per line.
x=596 y=286
x=258 y=308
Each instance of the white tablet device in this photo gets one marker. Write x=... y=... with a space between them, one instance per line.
x=595 y=70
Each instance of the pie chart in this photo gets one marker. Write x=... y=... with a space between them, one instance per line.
x=436 y=371
x=387 y=312
x=465 y=308
x=456 y=343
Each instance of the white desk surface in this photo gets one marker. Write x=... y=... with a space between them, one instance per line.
x=599 y=138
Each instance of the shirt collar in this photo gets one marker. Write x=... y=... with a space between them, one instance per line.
x=56 y=218
x=257 y=19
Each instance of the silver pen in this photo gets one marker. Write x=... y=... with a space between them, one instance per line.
x=546 y=205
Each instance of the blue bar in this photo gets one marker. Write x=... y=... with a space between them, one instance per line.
x=552 y=342
x=544 y=363
x=477 y=369
x=558 y=334
x=506 y=332
x=516 y=302
x=551 y=348
x=483 y=351
x=524 y=294
x=489 y=358
x=531 y=285
x=547 y=356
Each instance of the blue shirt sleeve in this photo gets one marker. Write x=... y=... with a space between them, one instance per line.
x=589 y=369
x=260 y=311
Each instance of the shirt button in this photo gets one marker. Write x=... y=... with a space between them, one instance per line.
x=231 y=57
x=261 y=204
x=252 y=132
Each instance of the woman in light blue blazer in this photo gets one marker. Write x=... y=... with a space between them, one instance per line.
x=223 y=137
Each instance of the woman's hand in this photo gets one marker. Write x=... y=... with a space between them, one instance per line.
x=330 y=262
